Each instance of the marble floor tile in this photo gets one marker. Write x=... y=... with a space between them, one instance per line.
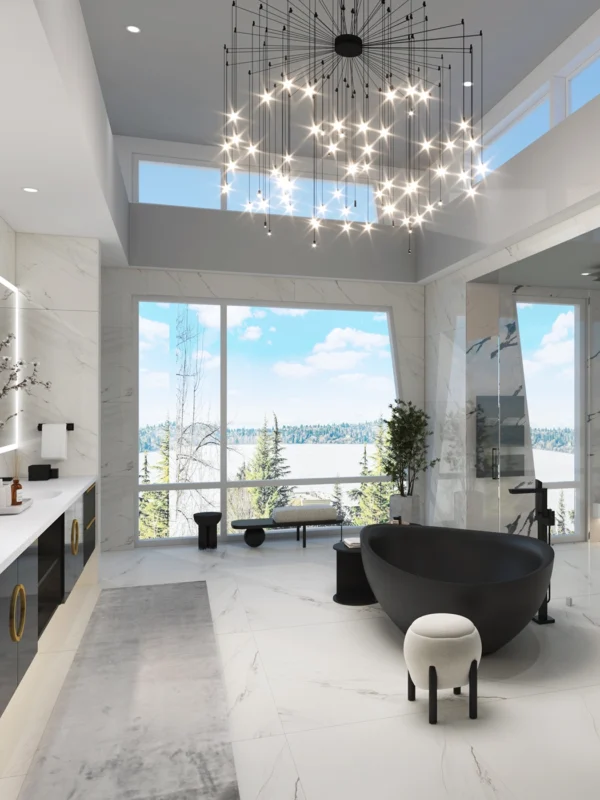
x=228 y=612
x=266 y=770
x=293 y=595
x=538 y=747
x=252 y=710
x=334 y=674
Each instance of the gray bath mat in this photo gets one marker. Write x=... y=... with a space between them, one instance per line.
x=142 y=713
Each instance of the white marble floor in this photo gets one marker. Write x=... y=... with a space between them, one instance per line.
x=317 y=691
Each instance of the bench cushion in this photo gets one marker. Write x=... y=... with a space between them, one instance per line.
x=312 y=513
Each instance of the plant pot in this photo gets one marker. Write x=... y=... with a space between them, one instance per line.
x=405 y=507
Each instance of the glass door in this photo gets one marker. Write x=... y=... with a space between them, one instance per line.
x=541 y=410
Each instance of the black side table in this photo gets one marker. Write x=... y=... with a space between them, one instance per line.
x=207 y=522
x=352 y=585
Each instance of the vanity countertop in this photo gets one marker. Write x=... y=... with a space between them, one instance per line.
x=50 y=499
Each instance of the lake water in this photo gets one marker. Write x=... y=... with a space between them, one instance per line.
x=343 y=460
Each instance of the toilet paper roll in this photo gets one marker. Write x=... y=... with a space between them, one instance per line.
x=54 y=441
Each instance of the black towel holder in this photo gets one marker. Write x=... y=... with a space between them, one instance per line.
x=70 y=426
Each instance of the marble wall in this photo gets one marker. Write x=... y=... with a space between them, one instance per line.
x=445 y=393
x=120 y=290
x=58 y=279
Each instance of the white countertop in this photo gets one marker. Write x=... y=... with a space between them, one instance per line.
x=50 y=499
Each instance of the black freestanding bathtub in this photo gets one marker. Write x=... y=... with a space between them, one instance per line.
x=496 y=580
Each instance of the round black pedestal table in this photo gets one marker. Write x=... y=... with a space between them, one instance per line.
x=352 y=585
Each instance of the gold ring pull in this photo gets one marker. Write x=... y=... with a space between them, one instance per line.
x=75 y=537
x=90 y=523
x=16 y=634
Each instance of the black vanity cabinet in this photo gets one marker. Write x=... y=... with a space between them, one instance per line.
x=73 y=545
x=89 y=523
x=18 y=621
x=9 y=664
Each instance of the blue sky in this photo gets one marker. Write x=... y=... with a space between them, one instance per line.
x=547 y=339
x=311 y=367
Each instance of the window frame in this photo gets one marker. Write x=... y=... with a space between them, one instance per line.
x=512 y=119
x=580 y=484
x=583 y=65
x=224 y=483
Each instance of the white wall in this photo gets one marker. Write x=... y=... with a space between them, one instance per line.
x=548 y=193
x=208 y=239
x=121 y=287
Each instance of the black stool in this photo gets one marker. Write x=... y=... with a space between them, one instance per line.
x=207 y=522
x=352 y=585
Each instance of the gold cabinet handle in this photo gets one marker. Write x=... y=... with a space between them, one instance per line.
x=16 y=634
x=75 y=537
x=90 y=523
x=92 y=487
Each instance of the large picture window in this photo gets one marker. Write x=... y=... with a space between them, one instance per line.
x=300 y=420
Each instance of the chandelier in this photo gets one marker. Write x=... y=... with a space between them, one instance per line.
x=352 y=115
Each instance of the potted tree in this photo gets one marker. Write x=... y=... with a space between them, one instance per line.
x=406 y=456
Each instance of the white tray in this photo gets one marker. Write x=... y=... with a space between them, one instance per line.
x=27 y=501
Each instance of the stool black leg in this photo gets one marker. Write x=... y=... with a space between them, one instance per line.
x=411 y=689
x=457 y=690
x=297 y=533
x=432 y=696
x=304 y=536
x=473 y=691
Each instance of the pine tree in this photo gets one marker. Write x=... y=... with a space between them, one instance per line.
x=337 y=498
x=357 y=495
x=379 y=493
x=280 y=495
x=561 y=514
x=144 y=500
x=260 y=469
x=158 y=502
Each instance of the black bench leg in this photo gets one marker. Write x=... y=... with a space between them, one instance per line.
x=473 y=691
x=304 y=536
x=297 y=533
x=254 y=537
x=432 y=696
x=457 y=690
x=411 y=689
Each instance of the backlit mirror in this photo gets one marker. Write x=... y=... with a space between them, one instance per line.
x=9 y=378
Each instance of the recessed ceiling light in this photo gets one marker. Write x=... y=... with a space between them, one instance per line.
x=585 y=274
x=133 y=29
x=468 y=84
x=30 y=189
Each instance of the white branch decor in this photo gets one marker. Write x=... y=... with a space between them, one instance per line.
x=17 y=375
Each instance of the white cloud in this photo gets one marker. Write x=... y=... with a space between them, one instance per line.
x=260 y=314
x=336 y=361
x=251 y=334
x=380 y=317
x=269 y=342
x=339 y=338
x=209 y=361
x=290 y=312
x=272 y=329
x=164 y=305
x=152 y=331
x=349 y=377
x=288 y=369
x=154 y=380
x=562 y=328
x=153 y=334
x=210 y=316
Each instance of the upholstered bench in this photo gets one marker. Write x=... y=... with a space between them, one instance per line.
x=289 y=517
x=442 y=651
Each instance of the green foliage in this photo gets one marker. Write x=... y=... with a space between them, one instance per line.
x=268 y=463
x=373 y=499
x=406 y=449
x=558 y=440
x=154 y=506
x=561 y=514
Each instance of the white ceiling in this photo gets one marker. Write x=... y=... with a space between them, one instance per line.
x=166 y=82
x=559 y=267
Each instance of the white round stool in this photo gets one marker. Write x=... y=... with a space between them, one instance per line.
x=442 y=651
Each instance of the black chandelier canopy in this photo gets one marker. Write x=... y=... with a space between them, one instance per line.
x=363 y=113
